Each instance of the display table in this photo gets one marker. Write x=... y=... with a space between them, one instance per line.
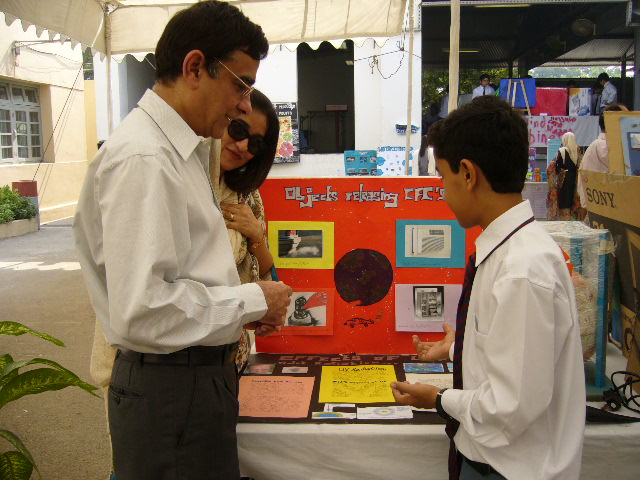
x=404 y=452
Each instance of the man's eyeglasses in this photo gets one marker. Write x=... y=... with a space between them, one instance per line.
x=247 y=88
x=239 y=130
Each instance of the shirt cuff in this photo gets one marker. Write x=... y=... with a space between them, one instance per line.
x=255 y=305
x=450 y=400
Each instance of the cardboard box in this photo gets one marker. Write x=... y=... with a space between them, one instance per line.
x=612 y=202
x=615 y=139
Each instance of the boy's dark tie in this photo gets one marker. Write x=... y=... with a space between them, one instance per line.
x=461 y=321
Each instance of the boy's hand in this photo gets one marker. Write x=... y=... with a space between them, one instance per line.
x=435 y=351
x=416 y=394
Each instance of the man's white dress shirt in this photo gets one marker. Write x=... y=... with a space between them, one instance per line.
x=480 y=91
x=609 y=95
x=522 y=409
x=152 y=242
x=595 y=159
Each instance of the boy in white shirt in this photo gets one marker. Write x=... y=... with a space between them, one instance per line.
x=484 y=88
x=517 y=409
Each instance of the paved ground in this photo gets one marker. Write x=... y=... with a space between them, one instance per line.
x=41 y=286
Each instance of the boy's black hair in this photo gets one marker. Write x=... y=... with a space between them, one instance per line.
x=251 y=175
x=216 y=28
x=614 y=107
x=489 y=133
x=603 y=76
x=483 y=76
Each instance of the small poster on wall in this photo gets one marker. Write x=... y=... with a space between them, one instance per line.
x=288 y=150
x=360 y=162
x=580 y=101
x=391 y=161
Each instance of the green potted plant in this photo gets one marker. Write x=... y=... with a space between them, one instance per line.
x=16 y=382
x=17 y=209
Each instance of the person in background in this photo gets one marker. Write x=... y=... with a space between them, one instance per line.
x=423 y=159
x=433 y=117
x=484 y=88
x=239 y=164
x=562 y=176
x=444 y=104
x=609 y=92
x=596 y=96
x=517 y=409
x=596 y=158
x=155 y=255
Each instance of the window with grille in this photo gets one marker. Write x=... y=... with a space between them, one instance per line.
x=20 y=124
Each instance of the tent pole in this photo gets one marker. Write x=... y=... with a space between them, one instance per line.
x=107 y=43
x=454 y=55
x=407 y=153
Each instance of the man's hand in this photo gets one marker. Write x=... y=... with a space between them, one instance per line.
x=416 y=394
x=278 y=297
x=262 y=330
x=435 y=351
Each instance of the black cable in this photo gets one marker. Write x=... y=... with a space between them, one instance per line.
x=623 y=394
x=62 y=111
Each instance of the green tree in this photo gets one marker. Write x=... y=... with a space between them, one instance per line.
x=575 y=72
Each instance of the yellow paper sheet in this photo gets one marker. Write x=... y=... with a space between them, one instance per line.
x=359 y=384
x=282 y=397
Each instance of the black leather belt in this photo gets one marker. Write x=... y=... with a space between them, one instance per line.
x=197 y=355
x=479 y=467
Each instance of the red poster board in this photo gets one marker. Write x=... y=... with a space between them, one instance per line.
x=365 y=213
x=551 y=101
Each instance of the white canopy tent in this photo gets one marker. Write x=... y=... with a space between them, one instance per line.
x=120 y=27
x=116 y=28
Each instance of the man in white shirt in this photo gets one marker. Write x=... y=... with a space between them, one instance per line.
x=157 y=262
x=609 y=92
x=596 y=158
x=484 y=88
x=520 y=400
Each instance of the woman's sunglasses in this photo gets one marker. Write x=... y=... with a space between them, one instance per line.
x=239 y=130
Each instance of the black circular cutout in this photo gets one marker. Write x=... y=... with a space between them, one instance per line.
x=363 y=276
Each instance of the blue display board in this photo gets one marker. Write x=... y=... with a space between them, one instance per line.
x=529 y=86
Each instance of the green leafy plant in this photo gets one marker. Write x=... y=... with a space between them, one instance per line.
x=18 y=463
x=13 y=206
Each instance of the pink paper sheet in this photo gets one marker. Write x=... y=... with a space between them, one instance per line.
x=282 y=397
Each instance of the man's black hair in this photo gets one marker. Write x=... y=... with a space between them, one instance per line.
x=489 y=133
x=215 y=28
x=251 y=175
x=483 y=76
x=603 y=76
x=614 y=107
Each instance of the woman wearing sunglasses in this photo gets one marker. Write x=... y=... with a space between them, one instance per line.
x=239 y=164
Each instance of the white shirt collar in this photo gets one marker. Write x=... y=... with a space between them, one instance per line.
x=177 y=131
x=500 y=228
